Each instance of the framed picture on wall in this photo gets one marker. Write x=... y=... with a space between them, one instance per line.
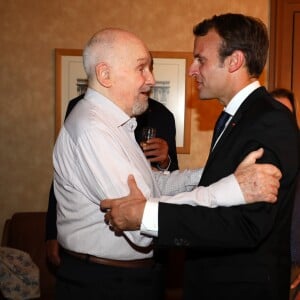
x=173 y=87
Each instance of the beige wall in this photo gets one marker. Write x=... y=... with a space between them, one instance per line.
x=31 y=30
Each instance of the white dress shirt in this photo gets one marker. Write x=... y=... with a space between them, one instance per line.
x=93 y=156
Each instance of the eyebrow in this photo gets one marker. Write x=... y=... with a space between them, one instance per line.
x=142 y=60
x=199 y=56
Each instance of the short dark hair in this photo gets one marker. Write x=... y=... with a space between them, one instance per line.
x=239 y=32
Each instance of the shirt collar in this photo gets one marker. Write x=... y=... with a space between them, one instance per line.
x=116 y=114
x=240 y=97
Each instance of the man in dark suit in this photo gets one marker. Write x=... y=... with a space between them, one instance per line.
x=238 y=252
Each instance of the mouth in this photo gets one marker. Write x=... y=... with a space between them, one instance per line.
x=146 y=93
x=199 y=85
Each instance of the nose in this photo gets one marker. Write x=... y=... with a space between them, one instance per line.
x=150 y=79
x=193 y=70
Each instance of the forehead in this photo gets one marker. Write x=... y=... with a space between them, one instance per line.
x=135 y=52
x=209 y=43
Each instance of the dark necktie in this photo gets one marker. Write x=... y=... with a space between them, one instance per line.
x=219 y=127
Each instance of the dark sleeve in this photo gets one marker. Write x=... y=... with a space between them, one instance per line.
x=170 y=137
x=51 y=230
x=72 y=103
x=295 y=236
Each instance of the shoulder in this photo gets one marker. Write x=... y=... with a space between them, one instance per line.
x=156 y=106
x=72 y=103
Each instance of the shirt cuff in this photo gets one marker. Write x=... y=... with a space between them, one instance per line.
x=226 y=192
x=164 y=169
x=149 y=224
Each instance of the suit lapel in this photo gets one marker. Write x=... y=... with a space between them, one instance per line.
x=235 y=122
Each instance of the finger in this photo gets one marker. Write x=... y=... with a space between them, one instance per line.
x=107 y=218
x=252 y=157
x=269 y=169
x=133 y=188
x=105 y=205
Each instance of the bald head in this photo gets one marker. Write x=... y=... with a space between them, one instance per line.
x=118 y=65
x=106 y=45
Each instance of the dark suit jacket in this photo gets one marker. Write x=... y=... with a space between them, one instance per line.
x=158 y=116
x=240 y=252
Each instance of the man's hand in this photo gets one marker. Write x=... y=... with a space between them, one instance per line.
x=294 y=285
x=258 y=182
x=156 y=150
x=125 y=213
x=295 y=282
x=52 y=252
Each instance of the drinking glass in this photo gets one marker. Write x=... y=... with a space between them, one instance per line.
x=147 y=134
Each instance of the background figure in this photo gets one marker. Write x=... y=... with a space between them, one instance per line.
x=158 y=116
x=286 y=97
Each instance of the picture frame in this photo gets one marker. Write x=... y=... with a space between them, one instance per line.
x=173 y=87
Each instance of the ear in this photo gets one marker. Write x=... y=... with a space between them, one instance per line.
x=235 y=61
x=103 y=74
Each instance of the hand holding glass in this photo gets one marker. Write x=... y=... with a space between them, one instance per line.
x=147 y=134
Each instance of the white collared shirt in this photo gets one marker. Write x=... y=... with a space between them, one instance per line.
x=236 y=102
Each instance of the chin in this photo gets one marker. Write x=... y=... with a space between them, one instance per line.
x=139 y=108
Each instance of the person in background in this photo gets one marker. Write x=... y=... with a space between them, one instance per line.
x=237 y=252
x=159 y=117
x=286 y=97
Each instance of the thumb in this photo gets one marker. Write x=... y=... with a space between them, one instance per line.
x=134 y=191
x=252 y=157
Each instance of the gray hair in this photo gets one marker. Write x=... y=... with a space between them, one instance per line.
x=98 y=49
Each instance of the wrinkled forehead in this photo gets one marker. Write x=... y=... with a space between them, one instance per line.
x=134 y=52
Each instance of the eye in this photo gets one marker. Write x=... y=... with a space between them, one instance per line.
x=199 y=60
x=141 y=68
